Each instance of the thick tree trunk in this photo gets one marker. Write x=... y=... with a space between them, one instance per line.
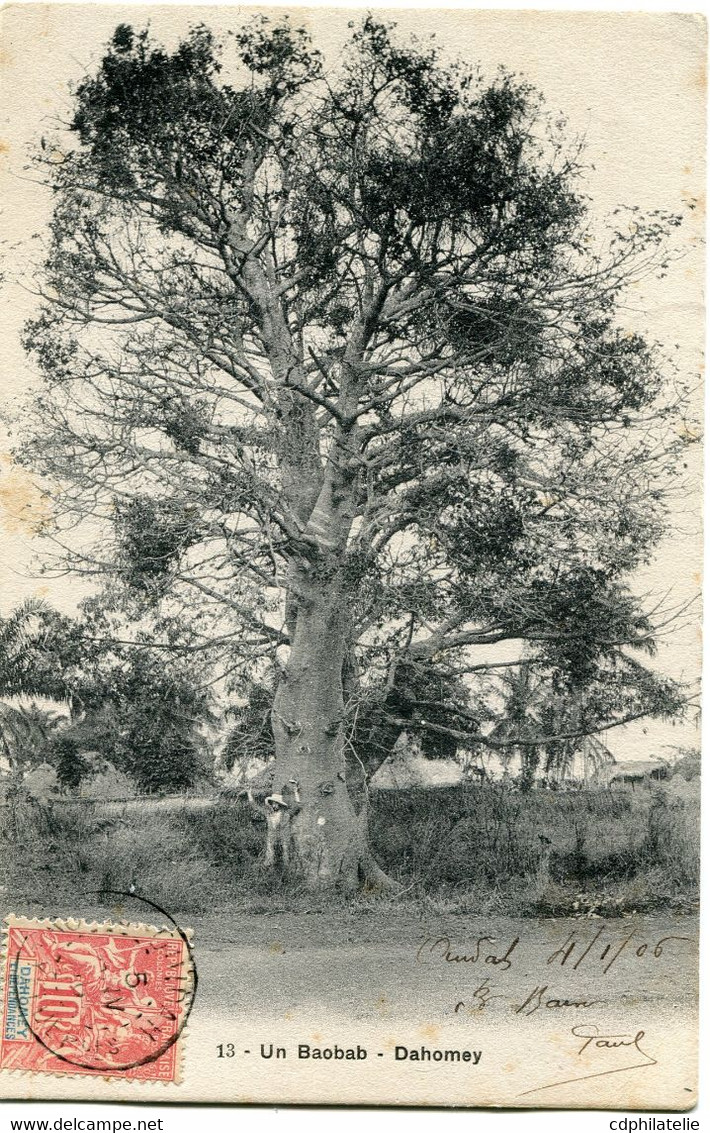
x=321 y=825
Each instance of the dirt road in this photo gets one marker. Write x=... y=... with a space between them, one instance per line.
x=401 y=967
x=435 y=1010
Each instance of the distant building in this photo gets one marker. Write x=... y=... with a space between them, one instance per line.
x=634 y=771
x=407 y=766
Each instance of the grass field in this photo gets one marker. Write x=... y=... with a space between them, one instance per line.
x=480 y=850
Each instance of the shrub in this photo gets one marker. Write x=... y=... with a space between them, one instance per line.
x=464 y=849
x=110 y=783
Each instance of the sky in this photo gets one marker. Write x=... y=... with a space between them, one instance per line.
x=631 y=84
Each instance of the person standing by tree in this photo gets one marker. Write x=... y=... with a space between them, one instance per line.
x=337 y=359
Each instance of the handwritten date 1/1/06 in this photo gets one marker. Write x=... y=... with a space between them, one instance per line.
x=600 y=950
x=603 y=951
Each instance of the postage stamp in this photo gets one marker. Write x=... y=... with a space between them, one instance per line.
x=87 y=998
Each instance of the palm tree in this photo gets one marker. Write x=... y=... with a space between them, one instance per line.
x=521 y=719
x=36 y=651
x=26 y=733
x=531 y=710
x=19 y=630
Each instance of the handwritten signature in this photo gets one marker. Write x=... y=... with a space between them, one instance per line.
x=604 y=1049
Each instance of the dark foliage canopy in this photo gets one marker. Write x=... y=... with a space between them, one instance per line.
x=354 y=323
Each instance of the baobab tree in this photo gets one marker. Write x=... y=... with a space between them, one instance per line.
x=333 y=360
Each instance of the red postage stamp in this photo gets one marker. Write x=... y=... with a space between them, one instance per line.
x=102 y=999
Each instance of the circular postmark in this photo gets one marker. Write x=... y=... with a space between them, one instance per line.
x=101 y=998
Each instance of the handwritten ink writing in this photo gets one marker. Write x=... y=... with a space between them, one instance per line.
x=442 y=948
x=590 y=1033
x=480 y=999
x=537 y=999
x=613 y=1051
x=576 y=952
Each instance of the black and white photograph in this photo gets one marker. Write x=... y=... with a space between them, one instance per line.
x=350 y=559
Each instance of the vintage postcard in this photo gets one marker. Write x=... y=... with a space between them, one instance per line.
x=350 y=566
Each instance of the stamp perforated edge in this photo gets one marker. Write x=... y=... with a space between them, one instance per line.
x=115 y=928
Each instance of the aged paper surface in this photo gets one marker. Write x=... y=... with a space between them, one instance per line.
x=506 y=694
